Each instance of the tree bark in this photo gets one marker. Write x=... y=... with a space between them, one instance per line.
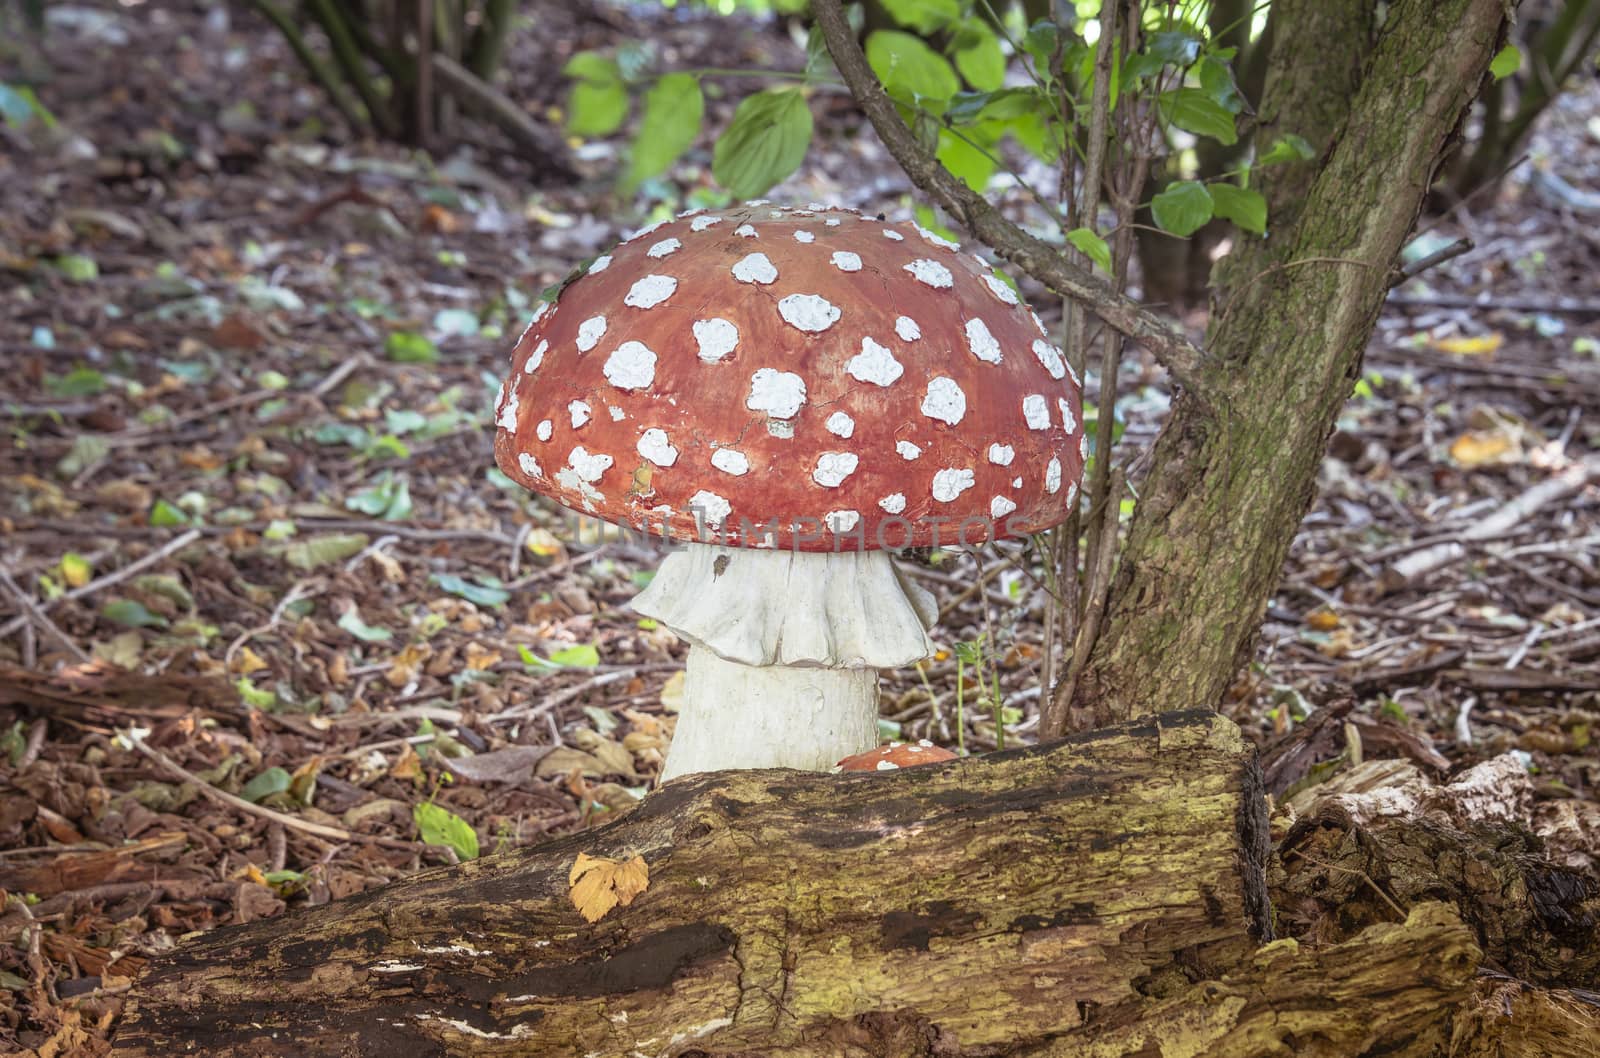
x=1230 y=482
x=958 y=908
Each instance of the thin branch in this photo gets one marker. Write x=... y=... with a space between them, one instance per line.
x=536 y=142
x=115 y=577
x=31 y=611
x=1433 y=260
x=1034 y=256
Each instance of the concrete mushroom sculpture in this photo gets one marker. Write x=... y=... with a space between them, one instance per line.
x=792 y=393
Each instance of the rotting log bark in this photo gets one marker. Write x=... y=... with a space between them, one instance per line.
x=961 y=908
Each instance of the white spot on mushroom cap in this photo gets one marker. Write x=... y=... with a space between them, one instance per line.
x=1083 y=446
x=1050 y=357
x=1036 y=412
x=544 y=429
x=832 y=222
x=654 y=446
x=874 y=364
x=907 y=329
x=840 y=425
x=508 y=413
x=580 y=412
x=778 y=393
x=983 y=344
x=697 y=210
x=931 y=272
x=755 y=268
x=588 y=467
x=1074 y=376
x=951 y=482
x=1016 y=482
x=1052 y=476
x=746 y=231
x=944 y=400
x=1000 y=288
x=845 y=261
x=833 y=467
x=907 y=450
x=711 y=507
x=717 y=337
x=893 y=503
x=1037 y=322
x=730 y=461
x=841 y=521
x=1001 y=455
x=808 y=312
x=536 y=357
x=702 y=223
x=646 y=230
x=1068 y=422
x=887 y=765
x=600 y=264
x=890 y=233
x=539 y=313
x=529 y=465
x=664 y=248
x=632 y=365
x=1000 y=506
x=804 y=236
x=937 y=240
x=649 y=291
x=1072 y=493
x=616 y=413
x=590 y=331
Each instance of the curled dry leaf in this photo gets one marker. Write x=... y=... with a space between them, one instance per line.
x=598 y=884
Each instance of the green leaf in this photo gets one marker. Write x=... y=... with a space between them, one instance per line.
x=79 y=382
x=911 y=71
x=979 y=58
x=19 y=107
x=321 y=550
x=1174 y=46
x=924 y=16
x=479 y=594
x=765 y=142
x=599 y=99
x=1216 y=81
x=671 y=120
x=165 y=514
x=1040 y=44
x=389 y=499
x=1290 y=148
x=351 y=622
x=131 y=614
x=971 y=165
x=582 y=656
x=408 y=347
x=77 y=268
x=1193 y=111
x=1091 y=245
x=254 y=696
x=440 y=826
x=1506 y=62
x=1246 y=208
x=404 y=420
x=1183 y=208
x=272 y=781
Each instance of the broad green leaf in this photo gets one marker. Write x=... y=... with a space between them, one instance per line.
x=971 y=165
x=1040 y=44
x=1216 y=81
x=166 y=514
x=1173 y=46
x=254 y=696
x=1193 y=111
x=389 y=498
x=79 y=382
x=924 y=16
x=19 y=106
x=440 y=826
x=599 y=100
x=403 y=420
x=1244 y=207
x=408 y=347
x=78 y=268
x=911 y=71
x=351 y=622
x=1290 y=148
x=131 y=614
x=479 y=594
x=765 y=142
x=1091 y=245
x=1183 y=208
x=582 y=656
x=979 y=58
x=671 y=120
x=272 y=781
x=321 y=550
x=1506 y=62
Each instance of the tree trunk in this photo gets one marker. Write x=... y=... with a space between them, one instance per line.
x=1229 y=484
x=983 y=903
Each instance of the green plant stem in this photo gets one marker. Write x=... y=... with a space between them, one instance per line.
x=348 y=55
x=489 y=41
x=325 y=78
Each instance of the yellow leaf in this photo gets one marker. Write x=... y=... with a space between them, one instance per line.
x=409 y=766
x=672 y=693
x=1323 y=620
x=1477 y=447
x=1476 y=345
x=247 y=661
x=598 y=884
x=75 y=569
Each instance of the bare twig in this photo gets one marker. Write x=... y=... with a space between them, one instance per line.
x=116 y=577
x=31 y=611
x=536 y=142
x=1037 y=258
x=1433 y=260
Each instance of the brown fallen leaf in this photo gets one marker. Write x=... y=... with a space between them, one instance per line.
x=598 y=884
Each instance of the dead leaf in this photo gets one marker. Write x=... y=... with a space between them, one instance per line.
x=409 y=766
x=672 y=693
x=1323 y=620
x=513 y=764
x=563 y=759
x=1471 y=345
x=1477 y=448
x=598 y=884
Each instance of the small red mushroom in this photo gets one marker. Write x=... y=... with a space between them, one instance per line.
x=896 y=755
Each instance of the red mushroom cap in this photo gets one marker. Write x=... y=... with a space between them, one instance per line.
x=896 y=755
x=846 y=382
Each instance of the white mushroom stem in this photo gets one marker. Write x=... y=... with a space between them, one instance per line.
x=785 y=649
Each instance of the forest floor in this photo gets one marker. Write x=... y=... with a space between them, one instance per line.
x=265 y=597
